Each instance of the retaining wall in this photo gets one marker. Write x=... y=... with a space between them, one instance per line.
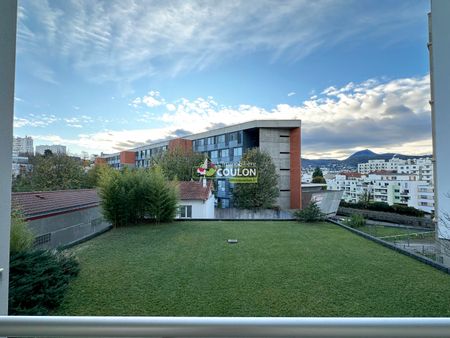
x=68 y=228
x=269 y=214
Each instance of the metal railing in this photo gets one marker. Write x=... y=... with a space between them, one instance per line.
x=20 y=326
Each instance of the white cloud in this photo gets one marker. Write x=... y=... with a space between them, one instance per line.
x=152 y=99
x=127 y=39
x=78 y=121
x=291 y=94
x=33 y=120
x=171 y=107
x=385 y=116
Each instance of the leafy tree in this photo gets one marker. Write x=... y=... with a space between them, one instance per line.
x=51 y=172
x=22 y=182
x=311 y=213
x=365 y=197
x=179 y=164
x=260 y=195
x=318 y=179
x=21 y=237
x=131 y=196
x=317 y=176
x=317 y=172
x=162 y=199
x=92 y=177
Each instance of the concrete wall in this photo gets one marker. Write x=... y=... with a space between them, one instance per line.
x=440 y=82
x=388 y=217
x=278 y=147
x=64 y=229
x=328 y=201
x=440 y=104
x=233 y=214
x=8 y=17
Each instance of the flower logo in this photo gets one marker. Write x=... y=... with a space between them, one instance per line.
x=206 y=170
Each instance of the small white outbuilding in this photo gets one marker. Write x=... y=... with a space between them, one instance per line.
x=196 y=200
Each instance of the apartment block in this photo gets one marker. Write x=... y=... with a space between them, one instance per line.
x=23 y=145
x=54 y=148
x=421 y=167
x=281 y=139
x=384 y=186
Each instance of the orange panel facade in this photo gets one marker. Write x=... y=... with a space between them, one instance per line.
x=100 y=160
x=181 y=143
x=127 y=157
x=296 y=169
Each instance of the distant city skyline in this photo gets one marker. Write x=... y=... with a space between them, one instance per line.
x=110 y=75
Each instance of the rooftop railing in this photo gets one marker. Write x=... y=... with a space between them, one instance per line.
x=20 y=326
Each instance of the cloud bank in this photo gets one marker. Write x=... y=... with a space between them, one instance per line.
x=126 y=40
x=386 y=116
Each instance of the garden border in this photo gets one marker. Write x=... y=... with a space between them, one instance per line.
x=391 y=246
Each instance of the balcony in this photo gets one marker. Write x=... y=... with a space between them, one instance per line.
x=36 y=326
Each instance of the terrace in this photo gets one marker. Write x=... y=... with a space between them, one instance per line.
x=143 y=326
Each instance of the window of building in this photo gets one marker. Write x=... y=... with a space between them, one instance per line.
x=221 y=139
x=214 y=154
x=221 y=185
x=224 y=153
x=200 y=142
x=237 y=151
x=185 y=211
x=210 y=140
x=233 y=136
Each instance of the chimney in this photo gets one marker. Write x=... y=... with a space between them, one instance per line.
x=204 y=182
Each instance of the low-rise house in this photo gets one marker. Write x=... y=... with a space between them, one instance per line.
x=59 y=218
x=196 y=200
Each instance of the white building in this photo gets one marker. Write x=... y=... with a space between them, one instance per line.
x=421 y=167
x=354 y=185
x=306 y=177
x=23 y=145
x=54 y=148
x=384 y=186
x=20 y=165
x=196 y=200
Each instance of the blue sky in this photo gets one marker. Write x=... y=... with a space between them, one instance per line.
x=107 y=75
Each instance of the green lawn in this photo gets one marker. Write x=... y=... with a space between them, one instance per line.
x=276 y=269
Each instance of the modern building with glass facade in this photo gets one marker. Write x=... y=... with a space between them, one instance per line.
x=281 y=139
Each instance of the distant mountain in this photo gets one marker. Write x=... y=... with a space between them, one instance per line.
x=362 y=153
x=353 y=160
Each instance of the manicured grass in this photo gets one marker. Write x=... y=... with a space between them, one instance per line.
x=276 y=269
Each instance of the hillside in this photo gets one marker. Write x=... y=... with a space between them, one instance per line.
x=353 y=160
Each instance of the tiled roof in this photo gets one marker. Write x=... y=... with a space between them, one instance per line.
x=45 y=203
x=385 y=172
x=193 y=190
x=351 y=174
